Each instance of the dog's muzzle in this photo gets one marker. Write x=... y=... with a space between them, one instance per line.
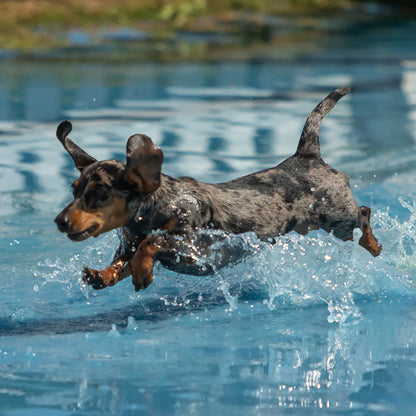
x=64 y=226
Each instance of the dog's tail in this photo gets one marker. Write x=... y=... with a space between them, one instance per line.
x=309 y=140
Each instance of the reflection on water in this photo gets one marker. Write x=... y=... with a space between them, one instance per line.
x=229 y=129
x=228 y=111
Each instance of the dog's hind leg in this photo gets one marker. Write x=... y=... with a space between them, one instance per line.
x=367 y=240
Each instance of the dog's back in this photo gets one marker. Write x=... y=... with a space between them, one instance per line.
x=301 y=193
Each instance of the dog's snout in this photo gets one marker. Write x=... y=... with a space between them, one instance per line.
x=63 y=223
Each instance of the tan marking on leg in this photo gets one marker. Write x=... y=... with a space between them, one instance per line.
x=367 y=240
x=109 y=276
x=141 y=265
x=170 y=224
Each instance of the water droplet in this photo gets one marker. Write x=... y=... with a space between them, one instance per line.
x=113 y=332
x=131 y=323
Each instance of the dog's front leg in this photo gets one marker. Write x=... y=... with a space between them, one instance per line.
x=118 y=269
x=99 y=279
x=141 y=265
x=165 y=245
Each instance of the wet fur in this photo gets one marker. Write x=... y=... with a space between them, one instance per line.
x=163 y=218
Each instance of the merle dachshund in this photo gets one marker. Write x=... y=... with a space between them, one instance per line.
x=164 y=218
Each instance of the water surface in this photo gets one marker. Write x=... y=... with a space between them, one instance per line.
x=311 y=325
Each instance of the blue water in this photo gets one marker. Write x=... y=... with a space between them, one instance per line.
x=309 y=326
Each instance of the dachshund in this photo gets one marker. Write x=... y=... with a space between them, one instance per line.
x=173 y=220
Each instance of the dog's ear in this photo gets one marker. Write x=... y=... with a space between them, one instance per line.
x=82 y=159
x=144 y=163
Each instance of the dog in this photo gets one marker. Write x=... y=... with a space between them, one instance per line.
x=171 y=219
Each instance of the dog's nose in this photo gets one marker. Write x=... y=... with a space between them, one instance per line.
x=63 y=223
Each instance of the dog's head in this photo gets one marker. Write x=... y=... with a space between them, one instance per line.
x=103 y=188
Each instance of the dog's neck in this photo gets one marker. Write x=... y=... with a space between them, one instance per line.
x=174 y=198
x=150 y=212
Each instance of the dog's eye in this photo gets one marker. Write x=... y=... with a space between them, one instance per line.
x=97 y=196
x=101 y=193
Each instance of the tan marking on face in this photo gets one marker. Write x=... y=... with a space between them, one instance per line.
x=114 y=215
x=92 y=184
x=82 y=220
x=104 y=219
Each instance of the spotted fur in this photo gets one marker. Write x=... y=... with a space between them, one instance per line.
x=163 y=218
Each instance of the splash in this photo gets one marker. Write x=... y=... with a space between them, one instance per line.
x=302 y=271
x=292 y=271
x=63 y=269
x=400 y=243
x=298 y=271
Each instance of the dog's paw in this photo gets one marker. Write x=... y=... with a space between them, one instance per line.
x=93 y=277
x=142 y=282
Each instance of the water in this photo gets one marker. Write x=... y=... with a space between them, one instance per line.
x=311 y=325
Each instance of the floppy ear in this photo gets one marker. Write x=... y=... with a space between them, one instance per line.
x=144 y=163
x=82 y=159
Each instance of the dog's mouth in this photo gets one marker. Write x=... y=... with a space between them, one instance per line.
x=83 y=235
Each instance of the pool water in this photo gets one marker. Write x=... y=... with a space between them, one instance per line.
x=311 y=325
